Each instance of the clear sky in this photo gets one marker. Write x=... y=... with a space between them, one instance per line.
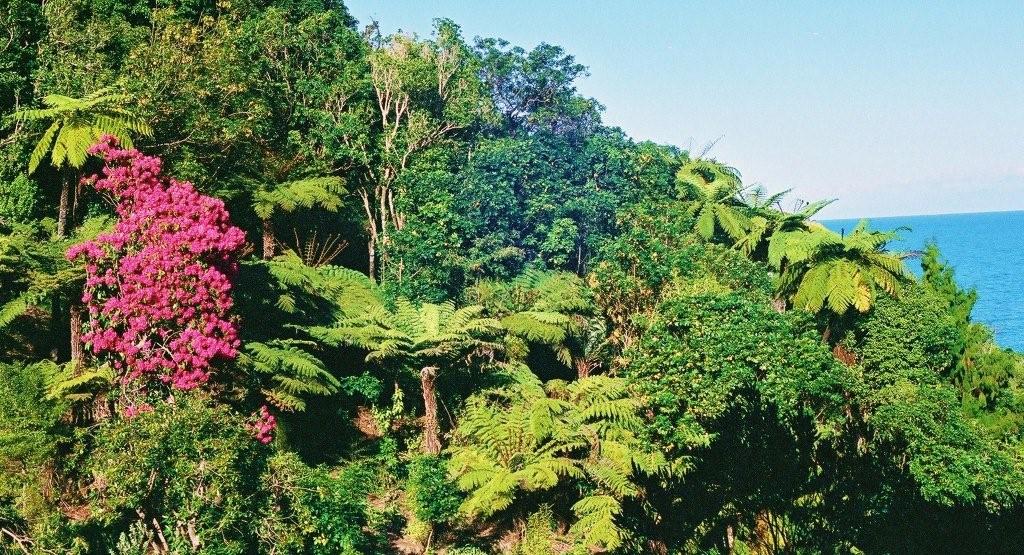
x=893 y=107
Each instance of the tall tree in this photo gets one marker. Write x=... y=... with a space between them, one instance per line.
x=427 y=339
x=426 y=91
x=77 y=124
x=536 y=90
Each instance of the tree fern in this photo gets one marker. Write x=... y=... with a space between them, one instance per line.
x=711 y=191
x=78 y=123
x=421 y=339
x=826 y=271
x=71 y=383
x=322 y=192
x=544 y=308
x=532 y=437
x=292 y=373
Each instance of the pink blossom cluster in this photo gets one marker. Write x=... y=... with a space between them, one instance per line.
x=158 y=287
x=264 y=426
x=132 y=410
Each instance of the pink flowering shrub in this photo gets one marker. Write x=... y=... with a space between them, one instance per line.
x=264 y=426
x=158 y=287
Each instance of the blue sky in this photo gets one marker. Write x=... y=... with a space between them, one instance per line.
x=893 y=107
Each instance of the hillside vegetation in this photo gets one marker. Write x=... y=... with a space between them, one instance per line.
x=274 y=283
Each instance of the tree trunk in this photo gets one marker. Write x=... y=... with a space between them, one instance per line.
x=64 y=209
x=76 y=334
x=371 y=247
x=268 y=239
x=583 y=368
x=730 y=538
x=431 y=428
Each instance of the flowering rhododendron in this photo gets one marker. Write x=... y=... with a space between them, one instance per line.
x=158 y=286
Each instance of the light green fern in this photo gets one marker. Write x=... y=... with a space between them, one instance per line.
x=293 y=373
x=78 y=123
x=532 y=437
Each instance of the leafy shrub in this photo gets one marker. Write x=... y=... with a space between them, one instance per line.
x=435 y=498
x=33 y=439
x=312 y=510
x=190 y=467
x=18 y=199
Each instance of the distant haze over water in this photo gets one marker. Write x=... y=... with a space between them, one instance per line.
x=985 y=249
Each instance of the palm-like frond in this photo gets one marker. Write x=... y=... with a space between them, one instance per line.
x=821 y=269
x=293 y=373
x=532 y=437
x=545 y=308
x=323 y=192
x=712 y=192
x=78 y=123
x=414 y=336
x=67 y=382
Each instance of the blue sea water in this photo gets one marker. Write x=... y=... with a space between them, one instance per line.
x=987 y=252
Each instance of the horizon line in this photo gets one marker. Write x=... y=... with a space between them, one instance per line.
x=968 y=213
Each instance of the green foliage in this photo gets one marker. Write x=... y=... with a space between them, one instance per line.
x=17 y=199
x=303 y=193
x=770 y=227
x=546 y=308
x=531 y=436
x=78 y=123
x=538 y=534
x=434 y=498
x=738 y=392
x=711 y=191
x=480 y=178
x=907 y=351
x=825 y=270
x=191 y=467
x=293 y=372
x=312 y=510
x=410 y=337
x=31 y=429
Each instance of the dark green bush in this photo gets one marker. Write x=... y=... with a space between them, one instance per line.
x=313 y=510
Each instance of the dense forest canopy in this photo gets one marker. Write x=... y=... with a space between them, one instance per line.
x=272 y=282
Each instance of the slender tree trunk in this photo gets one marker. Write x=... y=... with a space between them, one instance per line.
x=371 y=248
x=64 y=209
x=431 y=428
x=268 y=239
x=583 y=368
x=730 y=538
x=76 y=334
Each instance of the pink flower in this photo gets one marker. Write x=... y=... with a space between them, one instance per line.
x=264 y=426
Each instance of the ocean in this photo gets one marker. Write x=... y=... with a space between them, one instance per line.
x=987 y=253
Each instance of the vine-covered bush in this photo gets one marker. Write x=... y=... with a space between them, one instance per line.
x=434 y=497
